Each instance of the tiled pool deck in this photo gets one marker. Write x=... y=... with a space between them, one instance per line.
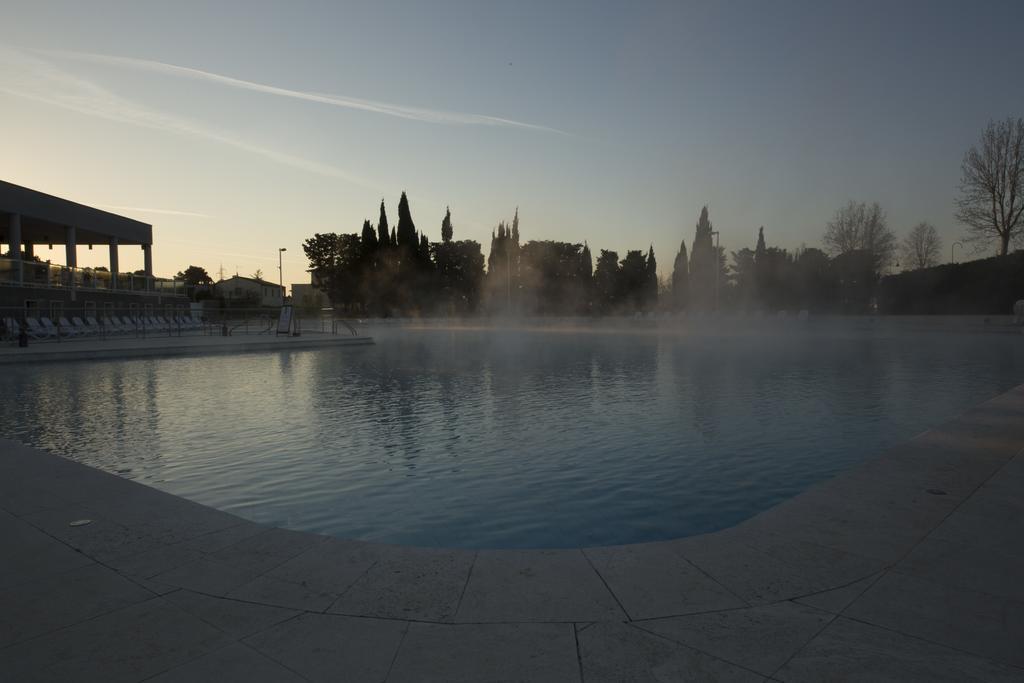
x=910 y=567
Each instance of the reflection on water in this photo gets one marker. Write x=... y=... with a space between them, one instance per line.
x=511 y=438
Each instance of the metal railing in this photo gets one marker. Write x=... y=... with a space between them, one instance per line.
x=55 y=321
x=50 y=275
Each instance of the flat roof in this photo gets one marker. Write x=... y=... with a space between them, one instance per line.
x=43 y=218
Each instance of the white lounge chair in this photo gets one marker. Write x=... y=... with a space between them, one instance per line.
x=114 y=325
x=36 y=330
x=66 y=328
x=54 y=331
x=12 y=330
x=83 y=329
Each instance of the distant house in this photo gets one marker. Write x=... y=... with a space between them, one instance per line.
x=309 y=297
x=258 y=292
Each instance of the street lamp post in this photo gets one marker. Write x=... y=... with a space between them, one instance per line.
x=951 y=247
x=280 y=271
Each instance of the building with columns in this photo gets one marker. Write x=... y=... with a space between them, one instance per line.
x=30 y=220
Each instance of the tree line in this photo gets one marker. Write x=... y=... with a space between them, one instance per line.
x=386 y=270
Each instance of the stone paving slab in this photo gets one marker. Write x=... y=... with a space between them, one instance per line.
x=236 y=662
x=39 y=607
x=613 y=651
x=486 y=652
x=655 y=580
x=838 y=599
x=536 y=585
x=906 y=568
x=423 y=584
x=314 y=579
x=853 y=651
x=978 y=622
x=129 y=644
x=322 y=647
x=234 y=618
x=761 y=639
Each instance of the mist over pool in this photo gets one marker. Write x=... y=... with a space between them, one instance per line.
x=480 y=437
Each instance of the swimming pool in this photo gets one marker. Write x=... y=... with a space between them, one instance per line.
x=487 y=438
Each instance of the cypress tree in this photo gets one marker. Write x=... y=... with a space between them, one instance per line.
x=394 y=238
x=680 y=278
x=368 y=239
x=406 y=228
x=383 y=240
x=652 y=279
x=446 y=226
x=703 y=264
x=515 y=227
x=586 y=262
x=761 y=248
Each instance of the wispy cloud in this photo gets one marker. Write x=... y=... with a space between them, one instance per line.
x=30 y=77
x=398 y=110
x=162 y=212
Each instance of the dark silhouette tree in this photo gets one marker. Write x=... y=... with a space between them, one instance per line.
x=991 y=202
x=383 y=237
x=368 y=240
x=859 y=227
x=554 y=280
x=446 y=226
x=502 y=282
x=585 y=278
x=651 y=285
x=744 y=277
x=680 y=279
x=606 y=282
x=705 y=265
x=191 y=276
x=921 y=247
x=632 y=281
x=406 y=228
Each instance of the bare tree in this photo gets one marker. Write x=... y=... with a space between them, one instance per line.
x=991 y=186
x=859 y=227
x=921 y=247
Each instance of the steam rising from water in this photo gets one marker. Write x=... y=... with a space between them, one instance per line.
x=529 y=435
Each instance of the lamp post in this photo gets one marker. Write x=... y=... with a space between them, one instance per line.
x=280 y=271
x=951 y=247
x=716 y=233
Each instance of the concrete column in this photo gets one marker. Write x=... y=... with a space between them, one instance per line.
x=147 y=255
x=14 y=237
x=70 y=253
x=113 y=263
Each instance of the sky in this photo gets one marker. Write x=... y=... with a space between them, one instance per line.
x=237 y=128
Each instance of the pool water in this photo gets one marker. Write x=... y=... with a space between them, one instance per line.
x=485 y=438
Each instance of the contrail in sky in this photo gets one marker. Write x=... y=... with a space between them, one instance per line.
x=28 y=77
x=400 y=111
x=162 y=212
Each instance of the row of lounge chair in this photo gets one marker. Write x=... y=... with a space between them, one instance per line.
x=44 y=328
